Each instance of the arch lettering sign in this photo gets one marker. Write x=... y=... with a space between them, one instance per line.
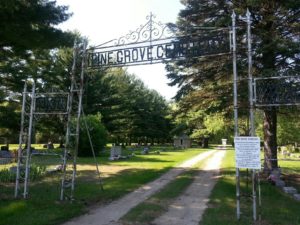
x=155 y=42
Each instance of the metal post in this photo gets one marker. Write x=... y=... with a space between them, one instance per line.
x=235 y=76
x=20 y=142
x=151 y=30
x=28 y=150
x=250 y=79
x=92 y=148
x=69 y=115
x=236 y=130
x=251 y=107
x=78 y=115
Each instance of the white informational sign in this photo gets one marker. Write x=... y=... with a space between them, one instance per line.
x=247 y=152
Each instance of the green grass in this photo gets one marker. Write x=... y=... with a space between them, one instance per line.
x=277 y=208
x=43 y=207
x=290 y=167
x=36 y=146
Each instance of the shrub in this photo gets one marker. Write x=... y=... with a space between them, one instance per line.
x=98 y=135
x=36 y=173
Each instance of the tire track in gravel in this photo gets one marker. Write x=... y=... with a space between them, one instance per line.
x=188 y=208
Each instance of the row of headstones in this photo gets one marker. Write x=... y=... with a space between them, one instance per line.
x=6 y=157
x=116 y=152
x=275 y=177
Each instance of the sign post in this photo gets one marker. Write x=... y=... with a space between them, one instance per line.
x=247 y=156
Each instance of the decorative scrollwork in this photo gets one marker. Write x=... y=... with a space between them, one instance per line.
x=151 y=31
x=156 y=42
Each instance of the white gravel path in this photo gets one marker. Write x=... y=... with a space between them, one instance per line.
x=111 y=213
x=188 y=208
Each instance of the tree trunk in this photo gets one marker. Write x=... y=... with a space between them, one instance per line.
x=205 y=142
x=152 y=141
x=270 y=139
x=129 y=141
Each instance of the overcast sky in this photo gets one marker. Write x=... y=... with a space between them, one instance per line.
x=103 y=20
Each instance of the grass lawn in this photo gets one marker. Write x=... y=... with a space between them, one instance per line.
x=277 y=207
x=290 y=168
x=120 y=177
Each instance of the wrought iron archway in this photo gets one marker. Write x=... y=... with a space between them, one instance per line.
x=155 y=42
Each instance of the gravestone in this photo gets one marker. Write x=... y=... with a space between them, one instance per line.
x=115 y=152
x=6 y=157
x=224 y=142
x=280 y=183
x=297 y=197
x=50 y=145
x=289 y=190
x=145 y=151
x=4 y=148
x=223 y=146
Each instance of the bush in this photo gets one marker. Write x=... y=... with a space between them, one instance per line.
x=98 y=135
x=36 y=173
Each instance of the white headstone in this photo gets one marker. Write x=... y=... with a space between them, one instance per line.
x=224 y=142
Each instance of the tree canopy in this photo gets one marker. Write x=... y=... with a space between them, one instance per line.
x=28 y=25
x=131 y=111
x=28 y=37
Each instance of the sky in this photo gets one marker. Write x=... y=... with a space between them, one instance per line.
x=104 y=20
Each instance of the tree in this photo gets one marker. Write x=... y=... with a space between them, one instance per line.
x=275 y=48
x=28 y=35
x=98 y=135
x=27 y=39
x=131 y=112
x=9 y=120
x=202 y=127
x=288 y=124
x=50 y=69
x=28 y=25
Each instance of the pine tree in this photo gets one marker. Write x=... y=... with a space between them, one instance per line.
x=28 y=25
x=205 y=83
x=27 y=37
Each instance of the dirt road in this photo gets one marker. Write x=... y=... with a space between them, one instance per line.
x=189 y=207
x=111 y=213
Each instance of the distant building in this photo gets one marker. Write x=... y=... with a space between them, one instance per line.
x=182 y=141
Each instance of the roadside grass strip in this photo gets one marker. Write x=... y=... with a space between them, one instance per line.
x=158 y=204
x=277 y=207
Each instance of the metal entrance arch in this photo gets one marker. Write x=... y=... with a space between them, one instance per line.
x=155 y=42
